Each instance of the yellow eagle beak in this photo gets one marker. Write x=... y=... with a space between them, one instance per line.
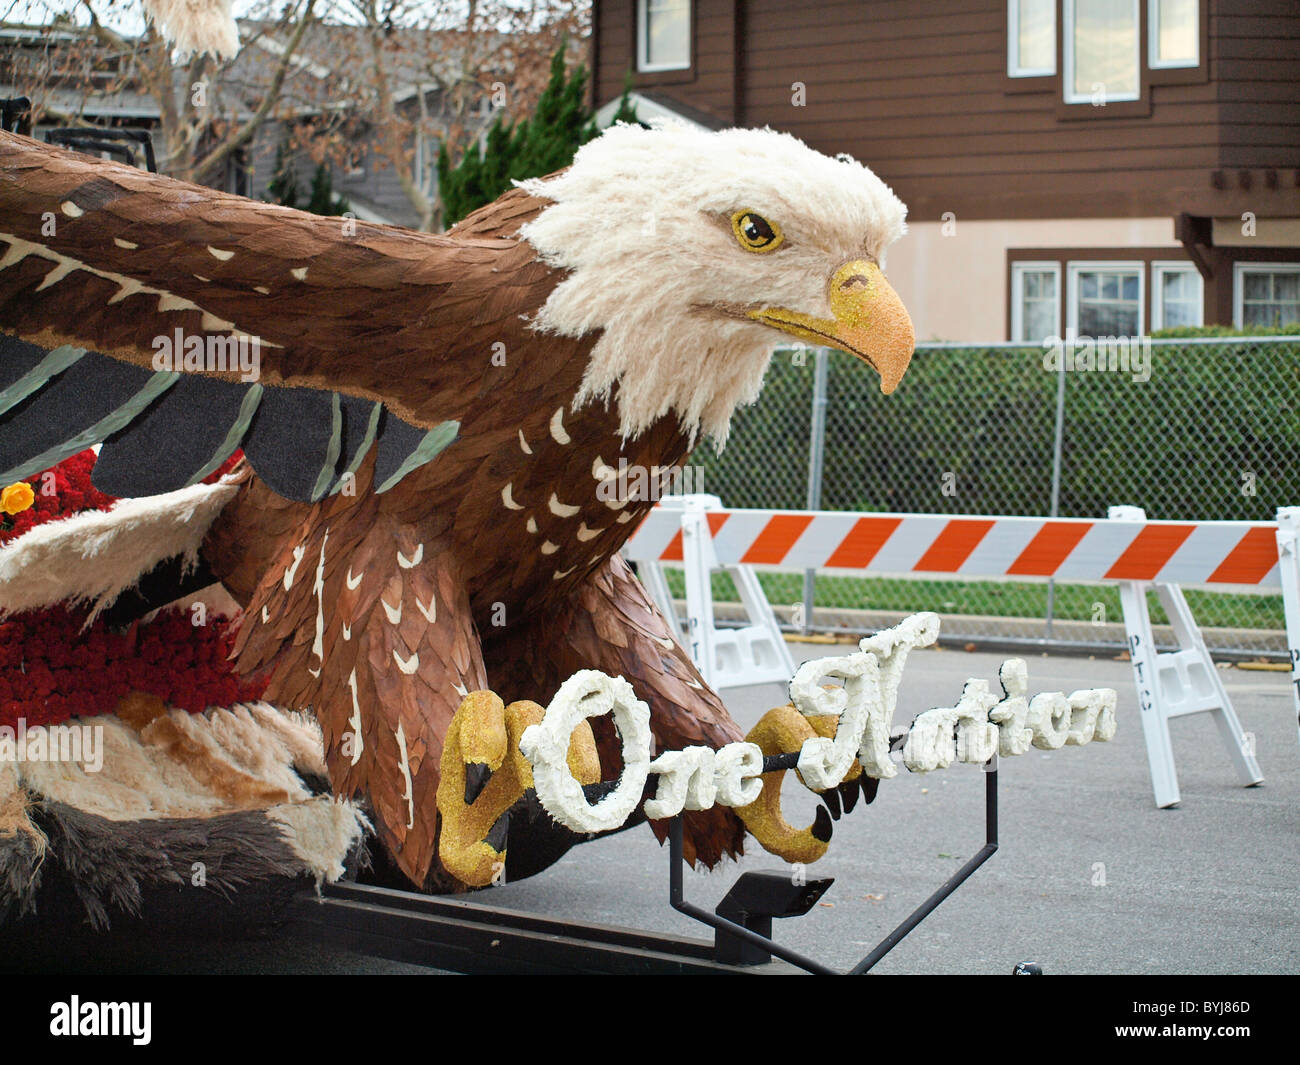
x=869 y=321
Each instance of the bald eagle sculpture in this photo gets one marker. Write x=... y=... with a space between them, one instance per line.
x=431 y=417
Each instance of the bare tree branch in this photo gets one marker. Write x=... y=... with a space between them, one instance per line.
x=245 y=133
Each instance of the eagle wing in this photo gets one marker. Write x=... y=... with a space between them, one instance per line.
x=359 y=330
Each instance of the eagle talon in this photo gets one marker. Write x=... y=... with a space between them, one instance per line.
x=477 y=775
x=498 y=833
x=831 y=797
x=821 y=826
x=849 y=792
x=869 y=786
x=780 y=731
x=483 y=776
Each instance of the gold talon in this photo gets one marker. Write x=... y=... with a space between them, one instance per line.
x=484 y=733
x=780 y=731
x=783 y=730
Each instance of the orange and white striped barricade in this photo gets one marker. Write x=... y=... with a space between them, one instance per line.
x=754 y=653
x=1174 y=683
x=1129 y=550
x=1288 y=560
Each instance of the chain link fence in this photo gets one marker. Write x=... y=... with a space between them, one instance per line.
x=1213 y=433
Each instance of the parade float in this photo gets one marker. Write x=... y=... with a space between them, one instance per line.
x=384 y=454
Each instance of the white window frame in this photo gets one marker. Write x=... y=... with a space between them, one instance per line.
x=643 y=65
x=1239 y=271
x=1018 y=270
x=1173 y=266
x=1067 y=57
x=1080 y=266
x=1153 y=40
x=1014 y=69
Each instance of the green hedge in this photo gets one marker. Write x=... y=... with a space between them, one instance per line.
x=1179 y=444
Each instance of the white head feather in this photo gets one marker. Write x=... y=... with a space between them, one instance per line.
x=197 y=26
x=641 y=221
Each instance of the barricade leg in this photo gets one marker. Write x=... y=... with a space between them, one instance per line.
x=759 y=611
x=1241 y=747
x=1155 y=725
x=1288 y=560
x=698 y=559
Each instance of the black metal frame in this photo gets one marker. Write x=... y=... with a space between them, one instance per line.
x=117 y=142
x=731 y=928
x=954 y=882
x=467 y=936
x=459 y=935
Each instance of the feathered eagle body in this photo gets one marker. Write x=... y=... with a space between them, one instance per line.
x=493 y=564
x=431 y=433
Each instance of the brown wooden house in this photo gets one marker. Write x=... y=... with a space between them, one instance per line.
x=1112 y=166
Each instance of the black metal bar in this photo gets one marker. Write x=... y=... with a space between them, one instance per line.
x=929 y=905
x=476 y=911
x=676 y=896
x=464 y=936
x=679 y=903
x=116 y=141
x=460 y=936
x=773 y=762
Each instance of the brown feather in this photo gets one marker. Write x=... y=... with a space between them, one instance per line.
x=414 y=320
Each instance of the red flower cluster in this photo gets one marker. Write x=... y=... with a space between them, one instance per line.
x=60 y=492
x=224 y=468
x=50 y=670
x=65 y=489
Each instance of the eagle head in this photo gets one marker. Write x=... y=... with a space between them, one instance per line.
x=694 y=254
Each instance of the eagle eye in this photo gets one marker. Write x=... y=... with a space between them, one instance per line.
x=754 y=232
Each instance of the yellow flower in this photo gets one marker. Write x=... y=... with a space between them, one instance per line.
x=17 y=498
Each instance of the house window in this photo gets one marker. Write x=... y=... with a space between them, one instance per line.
x=1102 y=51
x=1031 y=38
x=1035 y=301
x=354 y=160
x=1105 y=299
x=1177 y=295
x=1173 y=35
x=663 y=31
x=1266 y=294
